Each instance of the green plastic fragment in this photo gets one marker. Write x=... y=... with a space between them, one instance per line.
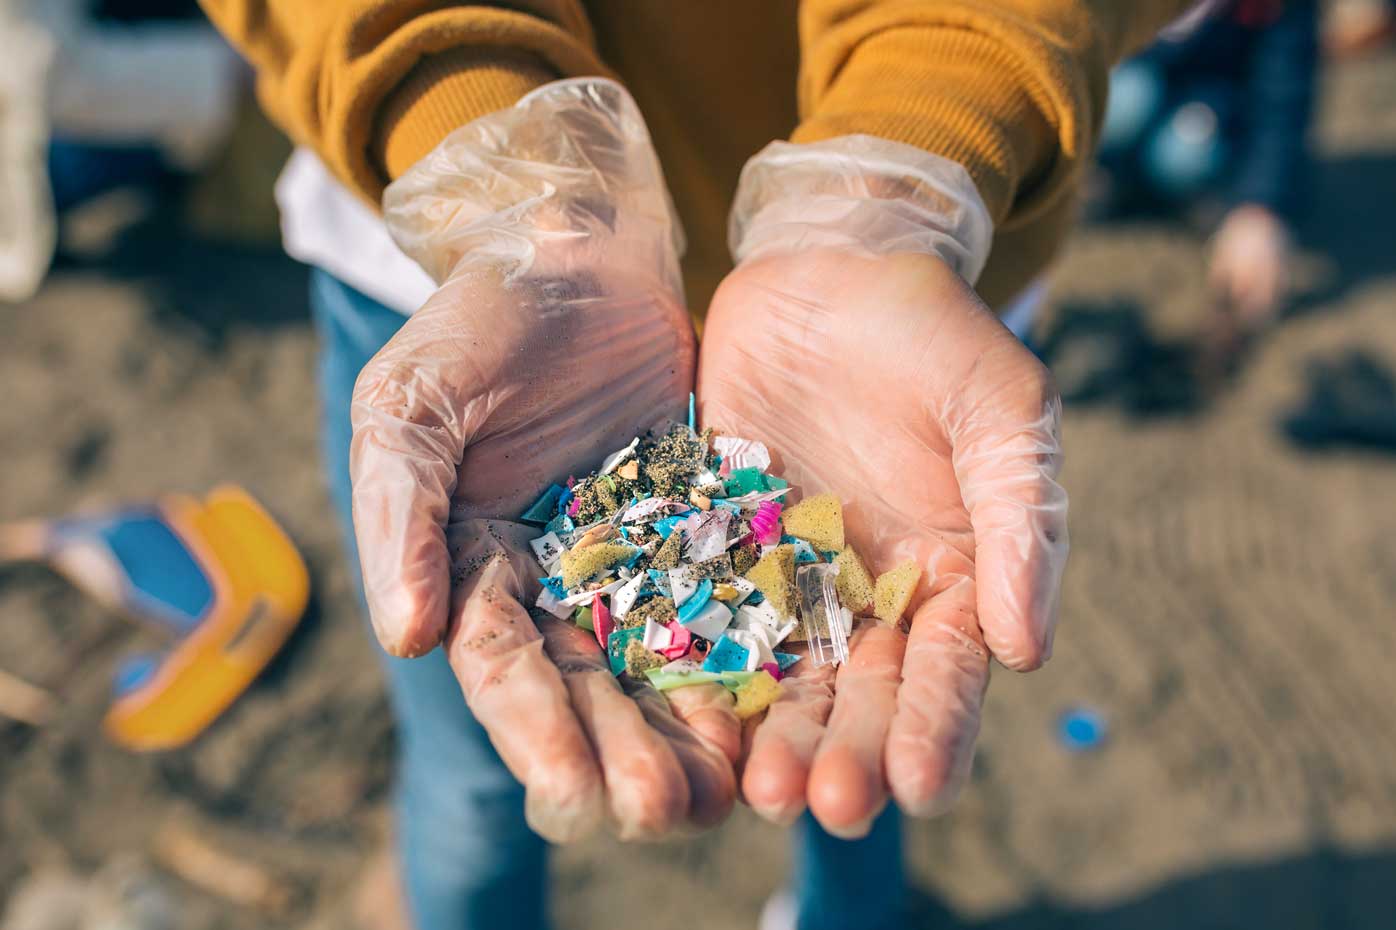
x=582 y=617
x=667 y=680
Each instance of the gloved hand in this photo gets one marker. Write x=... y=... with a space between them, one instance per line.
x=848 y=341
x=558 y=334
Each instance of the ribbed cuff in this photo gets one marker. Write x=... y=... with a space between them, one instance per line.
x=444 y=92
x=947 y=90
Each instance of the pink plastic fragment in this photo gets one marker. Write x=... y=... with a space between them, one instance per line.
x=765 y=524
x=683 y=640
x=774 y=669
x=601 y=621
x=575 y=506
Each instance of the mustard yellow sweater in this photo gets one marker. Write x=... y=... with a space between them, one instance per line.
x=1012 y=89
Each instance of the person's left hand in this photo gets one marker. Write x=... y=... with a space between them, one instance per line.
x=884 y=380
x=1250 y=264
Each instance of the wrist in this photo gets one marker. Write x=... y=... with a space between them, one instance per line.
x=568 y=169
x=863 y=194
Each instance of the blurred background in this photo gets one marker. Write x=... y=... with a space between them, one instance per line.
x=1213 y=744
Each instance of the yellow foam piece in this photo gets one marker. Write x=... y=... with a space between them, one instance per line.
x=818 y=519
x=774 y=577
x=854 y=581
x=580 y=564
x=756 y=694
x=893 y=589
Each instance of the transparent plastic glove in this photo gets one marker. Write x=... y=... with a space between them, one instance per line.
x=875 y=373
x=558 y=334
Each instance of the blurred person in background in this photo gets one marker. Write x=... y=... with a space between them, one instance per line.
x=1214 y=118
x=539 y=323
x=96 y=96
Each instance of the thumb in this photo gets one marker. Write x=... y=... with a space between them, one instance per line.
x=1005 y=432
x=403 y=463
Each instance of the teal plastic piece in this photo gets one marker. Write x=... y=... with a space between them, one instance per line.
x=745 y=481
x=554 y=586
x=561 y=525
x=786 y=659
x=545 y=507
x=616 y=643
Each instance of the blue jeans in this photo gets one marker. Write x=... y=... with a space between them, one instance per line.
x=469 y=860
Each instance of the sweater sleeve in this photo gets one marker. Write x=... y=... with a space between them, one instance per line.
x=1014 y=90
x=1278 y=96
x=373 y=85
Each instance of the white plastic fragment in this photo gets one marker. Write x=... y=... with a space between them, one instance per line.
x=626 y=595
x=552 y=604
x=742 y=453
x=615 y=458
x=751 y=616
x=585 y=596
x=657 y=636
x=711 y=621
x=682 y=583
x=548 y=550
x=706 y=535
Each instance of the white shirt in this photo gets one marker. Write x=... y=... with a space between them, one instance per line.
x=324 y=225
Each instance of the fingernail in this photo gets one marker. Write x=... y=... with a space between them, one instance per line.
x=854 y=831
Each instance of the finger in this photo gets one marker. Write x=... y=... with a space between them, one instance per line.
x=711 y=781
x=519 y=697
x=646 y=786
x=847 y=788
x=930 y=746
x=780 y=754
x=710 y=712
x=403 y=463
x=1007 y=453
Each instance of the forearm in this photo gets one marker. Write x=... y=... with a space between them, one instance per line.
x=1014 y=90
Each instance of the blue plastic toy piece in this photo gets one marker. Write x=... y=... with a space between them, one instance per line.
x=1081 y=729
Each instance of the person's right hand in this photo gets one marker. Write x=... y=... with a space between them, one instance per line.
x=558 y=335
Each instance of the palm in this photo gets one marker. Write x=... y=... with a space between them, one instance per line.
x=883 y=380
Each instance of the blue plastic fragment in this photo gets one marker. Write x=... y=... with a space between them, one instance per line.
x=786 y=659
x=754 y=598
x=616 y=643
x=133 y=672
x=692 y=413
x=726 y=656
x=554 y=586
x=545 y=507
x=1081 y=729
x=696 y=601
x=665 y=525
